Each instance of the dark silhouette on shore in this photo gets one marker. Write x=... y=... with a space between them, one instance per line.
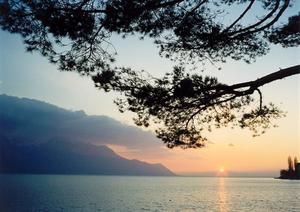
x=293 y=171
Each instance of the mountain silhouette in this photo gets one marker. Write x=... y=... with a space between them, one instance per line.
x=34 y=139
x=61 y=157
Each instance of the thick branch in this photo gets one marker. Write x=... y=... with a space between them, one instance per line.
x=246 y=88
x=282 y=73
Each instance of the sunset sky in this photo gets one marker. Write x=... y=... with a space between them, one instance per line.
x=30 y=75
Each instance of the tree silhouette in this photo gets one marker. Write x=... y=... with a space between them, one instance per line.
x=290 y=164
x=75 y=35
x=293 y=170
x=295 y=163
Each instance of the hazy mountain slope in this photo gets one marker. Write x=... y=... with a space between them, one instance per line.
x=35 y=138
x=31 y=121
x=60 y=157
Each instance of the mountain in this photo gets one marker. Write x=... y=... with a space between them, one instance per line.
x=61 y=157
x=29 y=141
x=30 y=121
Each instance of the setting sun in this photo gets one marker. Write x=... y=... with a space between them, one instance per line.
x=222 y=172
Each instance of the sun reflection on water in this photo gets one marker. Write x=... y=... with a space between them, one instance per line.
x=222 y=193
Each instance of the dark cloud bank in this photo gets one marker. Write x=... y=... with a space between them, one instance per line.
x=33 y=131
x=30 y=121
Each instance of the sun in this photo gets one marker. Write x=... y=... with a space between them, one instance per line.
x=222 y=172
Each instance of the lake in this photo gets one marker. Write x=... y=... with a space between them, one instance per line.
x=125 y=193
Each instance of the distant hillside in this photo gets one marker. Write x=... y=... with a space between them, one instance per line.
x=60 y=157
x=35 y=138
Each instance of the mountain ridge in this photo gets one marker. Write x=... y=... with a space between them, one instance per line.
x=30 y=143
x=66 y=157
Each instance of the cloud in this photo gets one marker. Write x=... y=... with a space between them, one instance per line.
x=30 y=121
x=27 y=121
x=231 y=145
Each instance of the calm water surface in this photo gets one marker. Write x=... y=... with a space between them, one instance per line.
x=115 y=193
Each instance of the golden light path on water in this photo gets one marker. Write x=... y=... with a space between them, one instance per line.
x=222 y=194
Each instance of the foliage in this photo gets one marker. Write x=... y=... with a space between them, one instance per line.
x=75 y=35
x=186 y=105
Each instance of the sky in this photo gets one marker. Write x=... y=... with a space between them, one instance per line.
x=30 y=75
